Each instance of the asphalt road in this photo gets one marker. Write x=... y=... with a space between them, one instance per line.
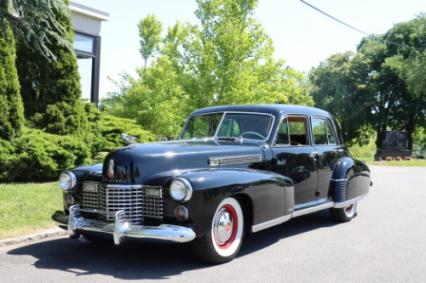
x=386 y=242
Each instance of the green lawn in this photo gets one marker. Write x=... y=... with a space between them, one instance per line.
x=412 y=162
x=27 y=207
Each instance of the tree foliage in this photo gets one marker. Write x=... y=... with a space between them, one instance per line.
x=51 y=88
x=11 y=114
x=381 y=86
x=150 y=37
x=35 y=23
x=227 y=59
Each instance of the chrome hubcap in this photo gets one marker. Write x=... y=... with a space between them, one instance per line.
x=350 y=210
x=223 y=226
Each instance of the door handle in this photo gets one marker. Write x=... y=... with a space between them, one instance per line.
x=313 y=154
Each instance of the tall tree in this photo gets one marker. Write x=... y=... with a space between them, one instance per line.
x=33 y=24
x=228 y=59
x=386 y=76
x=337 y=85
x=11 y=114
x=51 y=88
x=149 y=36
x=235 y=58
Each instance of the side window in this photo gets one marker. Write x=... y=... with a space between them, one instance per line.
x=282 y=134
x=331 y=134
x=229 y=128
x=298 y=130
x=319 y=131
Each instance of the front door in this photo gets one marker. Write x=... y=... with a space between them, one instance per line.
x=328 y=152
x=294 y=157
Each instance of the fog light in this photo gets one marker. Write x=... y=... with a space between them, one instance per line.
x=181 y=213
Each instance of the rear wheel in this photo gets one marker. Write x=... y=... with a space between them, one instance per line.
x=223 y=241
x=344 y=214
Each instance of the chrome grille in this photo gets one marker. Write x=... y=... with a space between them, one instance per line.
x=90 y=195
x=137 y=201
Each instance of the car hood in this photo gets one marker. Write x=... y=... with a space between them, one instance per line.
x=147 y=163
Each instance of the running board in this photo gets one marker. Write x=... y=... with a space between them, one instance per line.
x=312 y=209
x=303 y=211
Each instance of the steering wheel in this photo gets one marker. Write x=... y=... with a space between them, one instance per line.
x=254 y=134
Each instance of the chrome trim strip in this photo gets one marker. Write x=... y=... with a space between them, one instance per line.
x=243 y=159
x=120 y=228
x=339 y=180
x=297 y=213
x=270 y=223
x=348 y=202
x=121 y=186
x=312 y=209
x=311 y=203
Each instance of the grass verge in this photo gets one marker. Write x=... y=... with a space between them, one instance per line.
x=27 y=207
x=409 y=163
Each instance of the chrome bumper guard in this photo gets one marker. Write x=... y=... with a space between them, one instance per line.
x=121 y=229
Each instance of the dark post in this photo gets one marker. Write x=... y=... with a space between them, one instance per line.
x=96 y=66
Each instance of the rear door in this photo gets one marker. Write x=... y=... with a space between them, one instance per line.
x=293 y=158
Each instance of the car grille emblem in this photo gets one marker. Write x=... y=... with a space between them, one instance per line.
x=110 y=169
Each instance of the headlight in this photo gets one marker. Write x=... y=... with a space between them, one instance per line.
x=67 y=180
x=181 y=189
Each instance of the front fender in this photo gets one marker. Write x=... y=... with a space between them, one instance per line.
x=270 y=195
x=351 y=179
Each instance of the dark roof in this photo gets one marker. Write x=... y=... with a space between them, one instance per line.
x=275 y=109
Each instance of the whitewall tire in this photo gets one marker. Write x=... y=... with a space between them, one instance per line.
x=224 y=239
x=344 y=214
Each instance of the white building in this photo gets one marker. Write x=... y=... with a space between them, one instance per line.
x=87 y=45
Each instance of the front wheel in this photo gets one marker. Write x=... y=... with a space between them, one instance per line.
x=223 y=241
x=344 y=214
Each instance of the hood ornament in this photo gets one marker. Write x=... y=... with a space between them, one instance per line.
x=128 y=139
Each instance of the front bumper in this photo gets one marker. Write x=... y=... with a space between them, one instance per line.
x=121 y=229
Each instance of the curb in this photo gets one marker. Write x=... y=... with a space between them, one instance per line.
x=43 y=234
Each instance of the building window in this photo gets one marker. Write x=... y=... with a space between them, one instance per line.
x=83 y=43
x=87 y=50
x=85 y=67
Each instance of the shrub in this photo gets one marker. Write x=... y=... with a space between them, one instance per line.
x=39 y=156
x=111 y=127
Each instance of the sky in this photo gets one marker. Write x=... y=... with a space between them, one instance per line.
x=301 y=36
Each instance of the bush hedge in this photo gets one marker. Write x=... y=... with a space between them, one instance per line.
x=40 y=156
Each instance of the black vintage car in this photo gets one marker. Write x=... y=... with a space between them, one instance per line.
x=234 y=170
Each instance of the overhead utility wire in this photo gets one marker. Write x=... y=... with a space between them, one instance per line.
x=354 y=28
x=333 y=18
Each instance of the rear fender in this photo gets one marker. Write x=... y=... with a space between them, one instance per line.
x=351 y=179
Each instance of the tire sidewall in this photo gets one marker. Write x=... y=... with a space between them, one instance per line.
x=233 y=249
x=205 y=247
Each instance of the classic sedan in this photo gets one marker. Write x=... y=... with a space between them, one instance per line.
x=233 y=170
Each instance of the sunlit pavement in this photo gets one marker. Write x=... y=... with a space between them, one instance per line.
x=386 y=242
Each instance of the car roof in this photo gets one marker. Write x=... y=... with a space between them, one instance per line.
x=274 y=109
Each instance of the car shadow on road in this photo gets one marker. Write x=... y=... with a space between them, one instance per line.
x=149 y=261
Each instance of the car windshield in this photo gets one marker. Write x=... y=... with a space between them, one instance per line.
x=228 y=125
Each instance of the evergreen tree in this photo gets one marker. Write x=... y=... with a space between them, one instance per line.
x=11 y=111
x=51 y=88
